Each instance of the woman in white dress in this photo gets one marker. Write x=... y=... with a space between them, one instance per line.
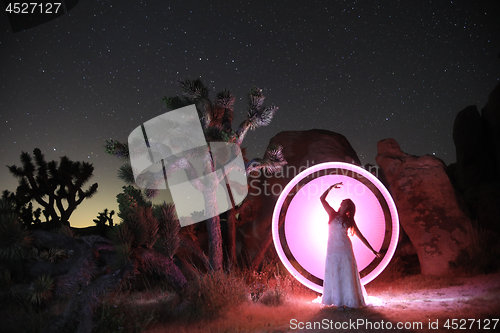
x=341 y=284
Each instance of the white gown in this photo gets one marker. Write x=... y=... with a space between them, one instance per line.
x=341 y=284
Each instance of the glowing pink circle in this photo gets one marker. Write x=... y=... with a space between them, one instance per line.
x=306 y=222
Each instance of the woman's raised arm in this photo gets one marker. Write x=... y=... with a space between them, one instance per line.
x=326 y=205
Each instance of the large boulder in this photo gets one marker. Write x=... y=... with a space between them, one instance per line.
x=491 y=116
x=301 y=149
x=475 y=161
x=477 y=169
x=428 y=207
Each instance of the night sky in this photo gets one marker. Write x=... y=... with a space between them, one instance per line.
x=366 y=69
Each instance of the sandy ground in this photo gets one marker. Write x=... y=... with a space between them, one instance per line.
x=411 y=304
x=472 y=305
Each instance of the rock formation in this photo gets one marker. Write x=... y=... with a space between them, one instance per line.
x=301 y=150
x=477 y=170
x=427 y=204
x=475 y=163
x=491 y=116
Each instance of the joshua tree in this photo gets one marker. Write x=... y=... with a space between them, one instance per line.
x=50 y=184
x=216 y=120
x=103 y=217
x=24 y=210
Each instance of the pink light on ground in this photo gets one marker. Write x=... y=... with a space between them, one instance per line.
x=302 y=237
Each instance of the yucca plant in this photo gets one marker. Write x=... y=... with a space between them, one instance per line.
x=15 y=240
x=148 y=236
x=168 y=229
x=53 y=255
x=143 y=227
x=41 y=290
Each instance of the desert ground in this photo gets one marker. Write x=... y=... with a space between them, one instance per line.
x=414 y=303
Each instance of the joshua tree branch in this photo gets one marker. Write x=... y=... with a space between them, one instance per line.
x=242 y=131
x=270 y=166
x=183 y=163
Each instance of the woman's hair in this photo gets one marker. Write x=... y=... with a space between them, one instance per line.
x=348 y=221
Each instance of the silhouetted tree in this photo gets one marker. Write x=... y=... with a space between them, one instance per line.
x=103 y=218
x=216 y=120
x=55 y=187
x=15 y=240
x=23 y=210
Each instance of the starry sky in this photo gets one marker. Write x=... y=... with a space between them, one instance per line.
x=366 y=69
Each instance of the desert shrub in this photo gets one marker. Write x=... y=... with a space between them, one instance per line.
x=53 y=255
x=271 y=284
x=258 y=281
x=214 y=292
x=257 y=286
x=117 y=316
x=67 y=230
x=274 y=297
x=15 y=240
x=25 y=318
x=482 y=255
x=278 y=287
x=41 y=290
x=26 y=307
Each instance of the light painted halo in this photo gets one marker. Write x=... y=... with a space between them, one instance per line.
x=300 y=223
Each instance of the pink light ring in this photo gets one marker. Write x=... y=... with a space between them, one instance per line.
x=350 y=167
x=275 y=231
x=395 y=225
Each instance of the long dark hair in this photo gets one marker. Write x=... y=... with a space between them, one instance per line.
x=348 y=221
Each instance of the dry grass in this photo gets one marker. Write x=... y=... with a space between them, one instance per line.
x=123 y=312
x=482 y=256
x=266 y=302
x=214 y=293
x=247 y=317
x=413 y=298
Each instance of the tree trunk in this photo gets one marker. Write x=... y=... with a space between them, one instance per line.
x=214 y=243
x=65 y=215
x=213 y=222
x=231 y=232
x=257 y=260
